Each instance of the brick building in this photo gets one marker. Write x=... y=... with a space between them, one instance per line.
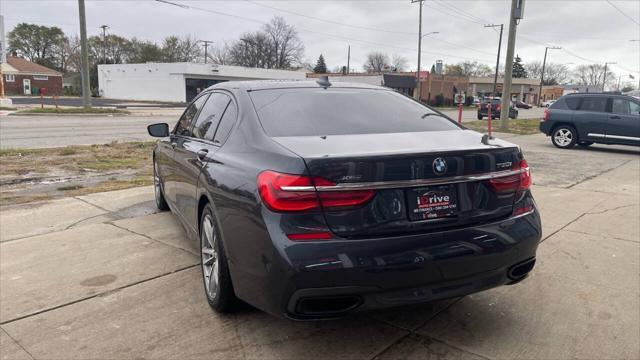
x=30 y=77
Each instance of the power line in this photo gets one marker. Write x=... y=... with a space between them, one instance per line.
x=362 y=27
x=320 y=33
x=460 y=11
x=623 y=13
x=329 y=21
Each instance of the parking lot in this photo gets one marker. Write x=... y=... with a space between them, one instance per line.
x=106 y=276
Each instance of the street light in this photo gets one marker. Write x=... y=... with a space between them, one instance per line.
x=431 y=33
x=544 y=63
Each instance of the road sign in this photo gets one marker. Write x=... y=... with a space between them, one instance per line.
x=459 y=98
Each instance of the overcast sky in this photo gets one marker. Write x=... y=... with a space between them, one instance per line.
x=588 y=31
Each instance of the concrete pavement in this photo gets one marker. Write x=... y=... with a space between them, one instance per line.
x=104 y=276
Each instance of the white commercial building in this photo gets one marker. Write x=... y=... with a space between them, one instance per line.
x=178 y=82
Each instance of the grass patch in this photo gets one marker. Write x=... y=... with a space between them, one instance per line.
x=54 y=110
x=7 y=108
x=68 y=151
x=517 y=126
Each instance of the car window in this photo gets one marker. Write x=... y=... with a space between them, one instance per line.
x=183 y=127
x=226 y=123
x=210 y=115
x=620 y=106
x=342 y=111
x=594 y=103
x=567 y=103
x=634 y=108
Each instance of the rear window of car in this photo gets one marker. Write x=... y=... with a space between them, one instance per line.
x=342 y=111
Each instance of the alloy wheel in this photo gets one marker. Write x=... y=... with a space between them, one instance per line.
x=208 y=239
x=563 y=137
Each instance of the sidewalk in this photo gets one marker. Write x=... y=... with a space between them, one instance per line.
x=105 y=276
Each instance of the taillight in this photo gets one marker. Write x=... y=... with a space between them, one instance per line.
x=498 y=108
x=525 y=175
x=520 y=182
x=297 y=193
x=545 y=115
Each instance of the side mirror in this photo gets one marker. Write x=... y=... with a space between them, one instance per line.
x=158 y=130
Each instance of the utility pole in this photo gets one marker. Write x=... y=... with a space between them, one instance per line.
x=206 y=46
x=104 y=43
x=517 y=8
x=84 y=50
x=604 y=76
x=417 y=92
x=544 y=64
x=495 y=77
x=348 y=57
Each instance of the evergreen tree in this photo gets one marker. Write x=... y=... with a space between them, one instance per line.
x=321 y=67
x=518 y=69
x=433 y=69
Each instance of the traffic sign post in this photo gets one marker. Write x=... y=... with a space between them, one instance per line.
x=459 y=98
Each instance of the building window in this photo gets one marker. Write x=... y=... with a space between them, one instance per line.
x=40 y=77
x=10 y=77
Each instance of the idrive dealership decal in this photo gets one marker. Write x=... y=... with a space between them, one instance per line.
x=434 y=204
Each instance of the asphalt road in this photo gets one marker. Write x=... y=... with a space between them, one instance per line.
x=471 y=114
x=77 y=102
x=43 y=131
x=57 y=131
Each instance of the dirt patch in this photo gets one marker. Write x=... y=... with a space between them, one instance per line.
x=28 y=175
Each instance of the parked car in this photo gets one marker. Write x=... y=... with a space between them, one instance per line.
x=547 y=103
x=522 y=105
x=483 y=110
x=584 y=119
x=310 y=200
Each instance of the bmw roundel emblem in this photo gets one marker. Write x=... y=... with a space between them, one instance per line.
x=439 y=166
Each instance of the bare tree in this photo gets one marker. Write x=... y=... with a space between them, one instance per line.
x=554 y=74
x=276 y=46
x=180 y=49
x=252 y=50
x=376 y=62
x=593 y=74
x=399 y=62
x=221 y=55
x=474 y=68
x=286 y=47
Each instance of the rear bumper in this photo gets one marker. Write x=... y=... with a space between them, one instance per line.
x=545 y=127
x=328 y=279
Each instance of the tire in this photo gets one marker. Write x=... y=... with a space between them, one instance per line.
x=161 y=203
x=480 y=117
x=564 y=137
x=585 y=143
x=216 y=279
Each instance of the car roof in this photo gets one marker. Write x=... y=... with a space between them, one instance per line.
x=603 y=94
x=253 y=85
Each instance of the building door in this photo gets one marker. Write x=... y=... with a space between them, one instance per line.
x=26 y=84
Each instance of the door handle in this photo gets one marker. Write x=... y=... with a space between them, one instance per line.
x=614 y=117
x=202 y=154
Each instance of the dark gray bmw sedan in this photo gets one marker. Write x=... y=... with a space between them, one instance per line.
x=311 y=200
